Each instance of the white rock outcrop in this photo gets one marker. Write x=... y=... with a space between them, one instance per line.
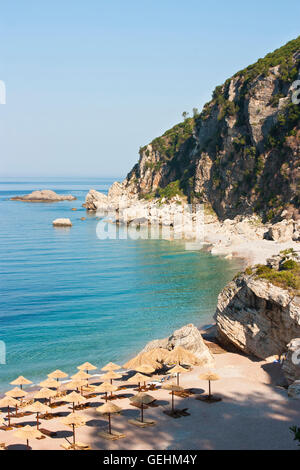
x=291 y=363
x=46 y=195
x=282 y=231
x=189 y=337
x=257 y=317
x=62 y=223
x=95 y=200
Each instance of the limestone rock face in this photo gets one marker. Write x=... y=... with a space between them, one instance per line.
x=46 y=195
x=62 y=223
x=257 y=317
x=189 y=337
x=294 y=390
x=95 y=200
x=282 y=231
x=291 y=364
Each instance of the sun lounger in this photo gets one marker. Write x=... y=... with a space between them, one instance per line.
x=47 y=432
x=2 y=446
x=77 y=446
x=142 y=424
x=6 y=428
x=177 y=413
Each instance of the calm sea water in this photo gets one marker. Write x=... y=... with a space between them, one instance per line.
x=68 y=297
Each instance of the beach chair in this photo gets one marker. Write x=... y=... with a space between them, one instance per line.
x=47 y=432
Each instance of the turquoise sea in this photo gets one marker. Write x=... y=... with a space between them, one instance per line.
x=68 y=297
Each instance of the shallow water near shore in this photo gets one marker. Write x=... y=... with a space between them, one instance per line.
x=68 y=297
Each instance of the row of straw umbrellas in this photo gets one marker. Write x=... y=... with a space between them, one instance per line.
x=143 y=365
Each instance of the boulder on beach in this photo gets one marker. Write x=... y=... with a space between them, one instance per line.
x=188 y=337
x=45 y=195
x=62 y=223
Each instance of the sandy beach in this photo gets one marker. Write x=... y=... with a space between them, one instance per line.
x=255 y=413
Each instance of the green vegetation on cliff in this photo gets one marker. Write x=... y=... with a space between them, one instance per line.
x=241 y=153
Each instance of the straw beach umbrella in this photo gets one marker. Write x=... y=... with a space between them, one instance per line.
x=16 y=393
x=138 y=379
x=158 y=354
x=74 y=397
x=210 y=377
x=37 y=407
x=142 y=399
x=141 y=359
x=75 y=384
x=81 y=375
x=9 y=402
x=28 y=432
x=179 y=355
x=173 y=388
x=108 y=409
x=111 y=366
x=45 y=393
x=177 y=370
x=57 y=374
x=106 y=388
x=74 y=420
x=86 y=367
x=145 y=369
x=21 y=381
x=49 y=383
x=111 y=375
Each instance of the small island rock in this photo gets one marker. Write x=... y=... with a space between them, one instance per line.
x=62 y=223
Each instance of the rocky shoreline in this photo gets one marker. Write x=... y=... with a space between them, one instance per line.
x=241 y=237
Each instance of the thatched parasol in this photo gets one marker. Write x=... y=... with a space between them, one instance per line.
x=145 y=369
x=57 y=374
x=111 y=375
x=16 y=393
x=108 y=408
x=106 y=388
x=111 y=366
x=74 y=397
x=173 y=388
x=179 y=355
x=21 y=381
x=158 y=354
x=138 y=379
x=86 y=367
x=8 y=402
x=50 y=383
x=142 y=399
x=37 y=407
x=177 y=370
x=80 y=375
x=210 y=377
x=141 y=359
x=74 y=420
x=27 y=432
x=45 y=393
x=75 y=384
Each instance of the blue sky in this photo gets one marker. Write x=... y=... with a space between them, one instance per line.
x=89 y=82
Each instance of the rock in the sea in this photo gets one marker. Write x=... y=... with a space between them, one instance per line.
x=46 y=195
x=291 y=364
x=282 y=231
x=62 y=223
x=294 y=390
x=257 y=317
x=95 y=200
x=189 y=337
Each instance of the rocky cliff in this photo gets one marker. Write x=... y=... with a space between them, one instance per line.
x=259 y=311
x=241 y=153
